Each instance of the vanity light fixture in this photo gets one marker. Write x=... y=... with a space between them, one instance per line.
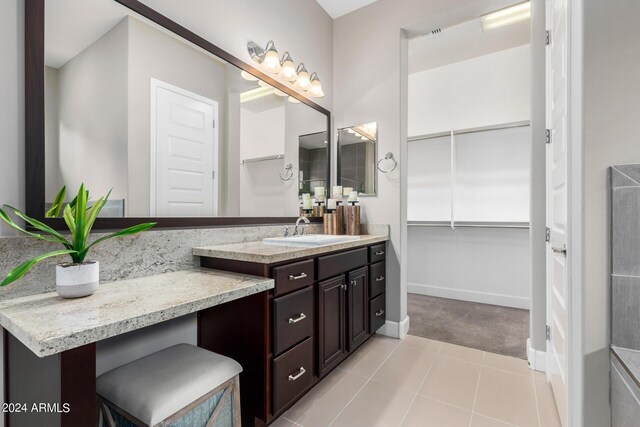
x=285 y=70
x=279 y=92
x=316 y=87
x=288 y=71
x=293 y=100
x=304 y=80
x=268 y=58
x=248 y=76
x=262 y=83
x=507 y=16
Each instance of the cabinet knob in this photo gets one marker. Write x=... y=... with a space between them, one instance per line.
x=354 y=283
x=300 y=373
x=344 y=287
x=300 y=317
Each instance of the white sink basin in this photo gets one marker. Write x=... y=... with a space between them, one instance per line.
x=311 y=240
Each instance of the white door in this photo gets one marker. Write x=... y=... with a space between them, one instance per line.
x=557 y=205
x=184 y=178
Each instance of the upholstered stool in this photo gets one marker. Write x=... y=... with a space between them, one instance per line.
x=181 y=386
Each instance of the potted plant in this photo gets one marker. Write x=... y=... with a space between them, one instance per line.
x=80 y=277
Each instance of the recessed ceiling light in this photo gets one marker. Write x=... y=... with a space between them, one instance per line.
x=507 y=16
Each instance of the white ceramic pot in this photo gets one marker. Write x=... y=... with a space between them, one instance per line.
x=77 y=280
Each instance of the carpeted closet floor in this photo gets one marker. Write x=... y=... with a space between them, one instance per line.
x=492 y=328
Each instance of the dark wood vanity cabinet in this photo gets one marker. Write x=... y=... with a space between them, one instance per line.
x=358 y=307
x=321 y=310
x=332 y=315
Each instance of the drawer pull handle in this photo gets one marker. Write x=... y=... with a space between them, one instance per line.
x=298 y=375
x=302 y=316
x=299 y=276
x=379 y=278
x=379 y=313
x=380 y=253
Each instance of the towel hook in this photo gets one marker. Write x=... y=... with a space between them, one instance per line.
x=388 y=156
x=288 y=173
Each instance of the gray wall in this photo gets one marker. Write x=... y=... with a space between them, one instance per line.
x=92 y=117
x=611 y=100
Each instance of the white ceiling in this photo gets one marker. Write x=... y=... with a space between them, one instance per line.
x=462 y=42
x=337 y=8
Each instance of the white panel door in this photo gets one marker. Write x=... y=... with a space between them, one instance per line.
x=186 y=154
x=557 y=205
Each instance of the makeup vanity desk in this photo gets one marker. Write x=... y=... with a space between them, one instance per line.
x=51 y=342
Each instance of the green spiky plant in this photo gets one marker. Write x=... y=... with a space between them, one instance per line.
x=78 y=217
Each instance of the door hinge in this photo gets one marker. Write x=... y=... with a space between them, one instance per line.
x=213 y=174
x=547 y=135
x=214 y=124
x=548 y=333
x=547 y=37
x=547 y=234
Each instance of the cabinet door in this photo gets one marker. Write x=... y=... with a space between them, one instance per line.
x=331 y=323
x=357 y=307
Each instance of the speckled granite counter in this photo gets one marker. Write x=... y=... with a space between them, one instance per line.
x=48 y=324
x=267 y=254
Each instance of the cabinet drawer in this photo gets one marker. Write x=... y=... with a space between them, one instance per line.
x=377 y=279
x=340 y=263
x=377 y=253
x=292 y=374
x=377 y=314
x=293 y=319
x=293 y=276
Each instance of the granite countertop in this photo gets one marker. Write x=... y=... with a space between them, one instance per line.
x=267 y=254
x=48 y=324
x=630 y=360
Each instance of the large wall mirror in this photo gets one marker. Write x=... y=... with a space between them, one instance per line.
x=357 y=148
x=136 y=104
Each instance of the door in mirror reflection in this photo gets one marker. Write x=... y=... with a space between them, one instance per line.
x=171 y=129
x=357 y=147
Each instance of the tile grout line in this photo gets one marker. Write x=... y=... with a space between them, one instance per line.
x=415 y=395
x=535 y=396
x=364 y=385
x=292 y=422
x=475 y=397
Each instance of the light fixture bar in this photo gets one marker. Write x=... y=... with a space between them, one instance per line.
x=507 y=16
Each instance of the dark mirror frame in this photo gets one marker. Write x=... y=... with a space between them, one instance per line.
x=35 y=111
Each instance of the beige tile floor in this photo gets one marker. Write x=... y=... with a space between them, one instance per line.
x=421 y=382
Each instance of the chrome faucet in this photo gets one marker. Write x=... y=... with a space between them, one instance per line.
x=296 y=229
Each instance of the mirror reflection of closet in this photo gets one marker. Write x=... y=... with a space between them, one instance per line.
x=357 y=148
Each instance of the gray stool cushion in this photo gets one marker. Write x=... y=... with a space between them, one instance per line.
x=156 y=386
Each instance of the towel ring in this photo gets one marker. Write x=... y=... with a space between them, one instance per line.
x=388 y=156
x=288 y=173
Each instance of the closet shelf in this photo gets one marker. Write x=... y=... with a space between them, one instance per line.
x=262 y=159
x=469 y=224
x=511 y=125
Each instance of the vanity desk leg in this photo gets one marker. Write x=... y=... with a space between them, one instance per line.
x=68 y=377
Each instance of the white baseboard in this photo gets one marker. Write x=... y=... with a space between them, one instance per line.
x=537 y=359
x=469 y=295
x=395 y=329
